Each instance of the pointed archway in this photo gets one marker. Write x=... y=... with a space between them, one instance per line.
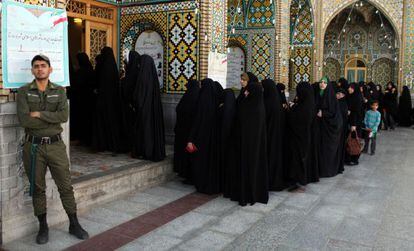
x=362 y=32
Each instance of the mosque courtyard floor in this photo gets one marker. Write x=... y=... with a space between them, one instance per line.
x=369 y=207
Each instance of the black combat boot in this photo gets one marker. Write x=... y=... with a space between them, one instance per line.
x=43 y=234
x=76 y=229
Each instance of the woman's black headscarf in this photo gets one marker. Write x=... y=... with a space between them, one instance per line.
x=405 y=107
x=275 y=131
x=252 y=78
x=281 y=87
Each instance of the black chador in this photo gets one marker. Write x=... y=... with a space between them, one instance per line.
x=74 y=94
x=281 y=87
x=355 y=107
x=250 y=171
x=128 y=84
x=228 y=114
x=108 y=119
x=405 y=108
x=275 y=131
x=330 y=124
x=205 y=135
x=299 y=121
x=87 y=82
x=186 y=112
x=149 y=141
x=313 y=159
x=343 y=107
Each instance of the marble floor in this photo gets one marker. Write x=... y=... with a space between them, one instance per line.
x=369 y=207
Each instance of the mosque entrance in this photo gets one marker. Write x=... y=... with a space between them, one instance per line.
x=361 y=44
x=92 y=26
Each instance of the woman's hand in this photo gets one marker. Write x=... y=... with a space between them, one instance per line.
x=319 y=114
x=353 y=128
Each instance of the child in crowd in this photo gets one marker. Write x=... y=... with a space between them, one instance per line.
x=372 y=121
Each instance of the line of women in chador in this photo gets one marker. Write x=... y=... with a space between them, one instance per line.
x=245 y=147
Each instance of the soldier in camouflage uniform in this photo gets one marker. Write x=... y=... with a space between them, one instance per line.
x=41 y=108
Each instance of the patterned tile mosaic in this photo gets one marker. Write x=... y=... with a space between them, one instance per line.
x=259 y=47
x=177 y=23
x=218 y=27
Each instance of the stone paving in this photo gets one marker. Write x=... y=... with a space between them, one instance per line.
x=369 y=207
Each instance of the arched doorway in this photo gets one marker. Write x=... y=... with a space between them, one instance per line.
x=150 y=43
x=357 y=37
x=356 y=70
x=301 y=42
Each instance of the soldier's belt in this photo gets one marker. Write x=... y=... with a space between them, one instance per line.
x=43 y=140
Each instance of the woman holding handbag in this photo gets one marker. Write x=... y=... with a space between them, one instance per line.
x=355 y=104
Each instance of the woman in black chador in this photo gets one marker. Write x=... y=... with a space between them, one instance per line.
x=355 y=107
x=250 y=160
x=405 y=108
x=299 y=121
x=313 y=159
x=149 y=141
x=106 y=135
x=128 y=84
x=341 y=94
x=390 y=106
x=204 y=140
x=281 y=87
x=186 y=112
x=380 y=104
x=228 y=115
x=329 y=120
x=275 y=130
x=86 y=79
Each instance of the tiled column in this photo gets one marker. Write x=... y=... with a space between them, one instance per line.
x=213 y=30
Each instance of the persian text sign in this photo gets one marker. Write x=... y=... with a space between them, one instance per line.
x=217 y=67
x=28 y=30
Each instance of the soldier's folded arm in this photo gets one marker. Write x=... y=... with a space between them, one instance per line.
x=62 y=113
x=23 y=113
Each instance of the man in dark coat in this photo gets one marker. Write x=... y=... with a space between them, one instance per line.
x=149 y=141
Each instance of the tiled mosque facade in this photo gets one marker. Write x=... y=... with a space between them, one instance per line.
x=287 y=40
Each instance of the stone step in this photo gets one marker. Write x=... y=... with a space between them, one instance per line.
x=90 y=192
